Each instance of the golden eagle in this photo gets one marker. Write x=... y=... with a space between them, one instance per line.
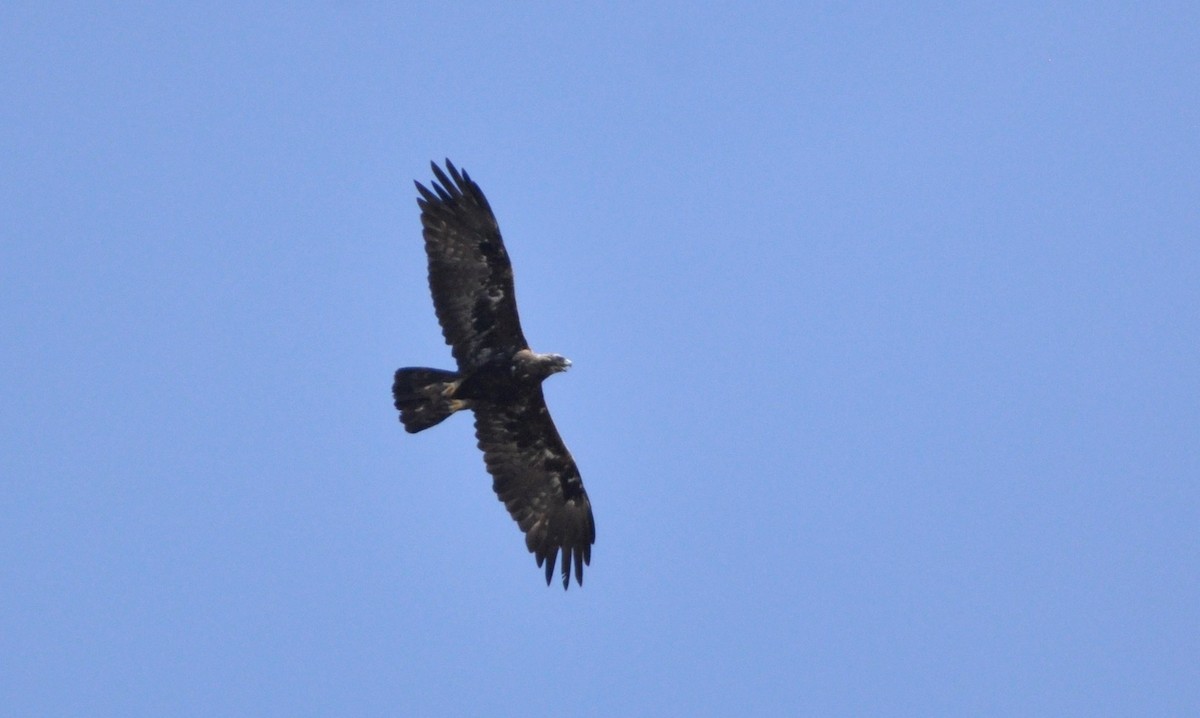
x=499 y=377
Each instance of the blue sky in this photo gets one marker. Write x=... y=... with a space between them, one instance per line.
x=886 y=338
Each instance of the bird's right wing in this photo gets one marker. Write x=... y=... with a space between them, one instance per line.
x=470 y=276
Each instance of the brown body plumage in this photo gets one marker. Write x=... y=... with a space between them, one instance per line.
x=499 y=378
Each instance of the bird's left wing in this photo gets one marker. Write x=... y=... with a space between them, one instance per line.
x=536 y=478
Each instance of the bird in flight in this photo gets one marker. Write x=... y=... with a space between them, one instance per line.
x=499 y=377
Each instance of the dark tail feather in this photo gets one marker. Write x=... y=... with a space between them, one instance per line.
x=419 y=395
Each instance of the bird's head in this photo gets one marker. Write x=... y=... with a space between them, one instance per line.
x=529 y=365
x=557 y=362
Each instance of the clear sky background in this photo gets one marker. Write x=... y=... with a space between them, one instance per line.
x=885 y=323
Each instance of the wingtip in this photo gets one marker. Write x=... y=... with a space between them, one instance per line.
x=459 y=176
x=548 y=561
x=425 y=197
x=447 y=189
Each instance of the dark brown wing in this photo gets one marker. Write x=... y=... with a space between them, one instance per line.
x=536 y=478
x=470 y=276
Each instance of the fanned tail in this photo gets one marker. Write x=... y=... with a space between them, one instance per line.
x=425 y=397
